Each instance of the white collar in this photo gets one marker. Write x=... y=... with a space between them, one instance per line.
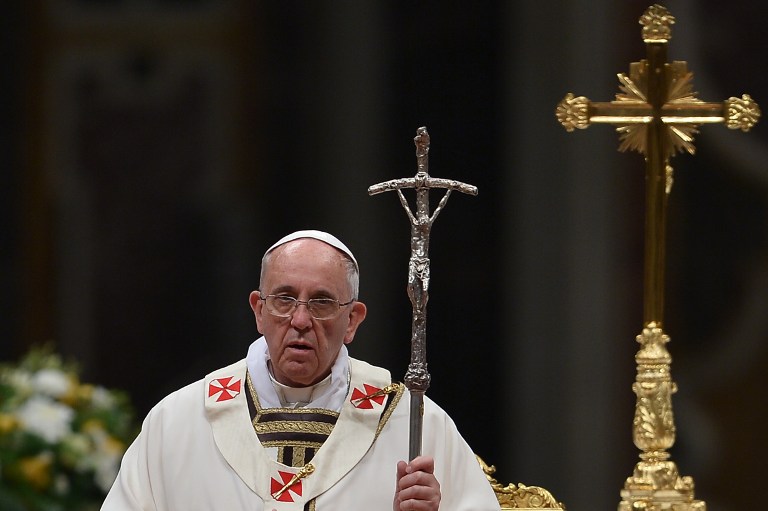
x=329 y=393
x=297 y=397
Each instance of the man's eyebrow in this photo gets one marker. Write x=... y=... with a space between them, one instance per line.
x=318 y=293
x=283 y=289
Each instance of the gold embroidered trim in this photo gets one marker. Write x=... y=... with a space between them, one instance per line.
x=292 y=443
x=297 y=455
x=318 y=428
x=314 y=431
x=391 y=407
x=319 y=411
x=252 y=392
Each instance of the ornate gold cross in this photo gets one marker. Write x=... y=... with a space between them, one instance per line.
x=657 y=114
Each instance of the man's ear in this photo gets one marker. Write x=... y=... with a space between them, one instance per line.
x=257 y=306
x=357 y=313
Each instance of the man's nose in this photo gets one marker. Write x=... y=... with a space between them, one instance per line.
x=301 y=318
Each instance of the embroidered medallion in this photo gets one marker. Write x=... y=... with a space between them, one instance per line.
x=371 y=396
x=224 y=388
x=289 y=484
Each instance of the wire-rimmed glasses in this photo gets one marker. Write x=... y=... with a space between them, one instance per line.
x=283 y=306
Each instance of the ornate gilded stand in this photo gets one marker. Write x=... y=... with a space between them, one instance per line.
x=657 y=114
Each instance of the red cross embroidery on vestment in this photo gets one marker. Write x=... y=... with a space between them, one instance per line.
x=365 y=399
x=278 y=485
x=224 y=388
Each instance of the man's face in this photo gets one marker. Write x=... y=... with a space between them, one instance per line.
x=303 y=349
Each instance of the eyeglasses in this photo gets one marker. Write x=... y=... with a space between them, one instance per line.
x=283 y=306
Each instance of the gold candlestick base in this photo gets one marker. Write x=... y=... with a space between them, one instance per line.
x=656 y=485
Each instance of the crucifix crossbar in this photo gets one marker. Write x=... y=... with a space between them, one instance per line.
x=656 y=114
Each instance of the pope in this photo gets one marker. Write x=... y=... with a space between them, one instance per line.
x=299 y=424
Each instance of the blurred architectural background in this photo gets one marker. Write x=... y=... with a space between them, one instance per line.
x=153 y=149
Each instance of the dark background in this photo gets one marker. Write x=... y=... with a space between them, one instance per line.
x=154 y=149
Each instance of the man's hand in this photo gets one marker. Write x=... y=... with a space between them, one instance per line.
x=417 y=489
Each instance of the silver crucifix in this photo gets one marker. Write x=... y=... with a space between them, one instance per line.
x=417 y=377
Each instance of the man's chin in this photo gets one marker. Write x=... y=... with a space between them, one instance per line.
x=297 y=374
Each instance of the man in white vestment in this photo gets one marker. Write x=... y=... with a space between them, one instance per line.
x=298 y=424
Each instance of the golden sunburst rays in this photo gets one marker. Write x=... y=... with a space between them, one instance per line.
x=678 y=134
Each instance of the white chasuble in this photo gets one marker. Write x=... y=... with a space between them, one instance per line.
x=198 y=451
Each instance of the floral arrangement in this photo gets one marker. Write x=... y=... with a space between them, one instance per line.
x=61 y=441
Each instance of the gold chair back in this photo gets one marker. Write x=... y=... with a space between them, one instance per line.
x=520 y=496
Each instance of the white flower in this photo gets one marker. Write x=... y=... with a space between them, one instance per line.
x=107 y=466
x=105 y=460
x=61 y=484
x=46 y=418
x=21 y=381
x=51 y=382
x=102 y=398
x=75 y=449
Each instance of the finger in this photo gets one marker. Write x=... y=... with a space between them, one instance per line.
x=418 y=480
x=418 y=498
x=422 y=464
x=402 y=470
